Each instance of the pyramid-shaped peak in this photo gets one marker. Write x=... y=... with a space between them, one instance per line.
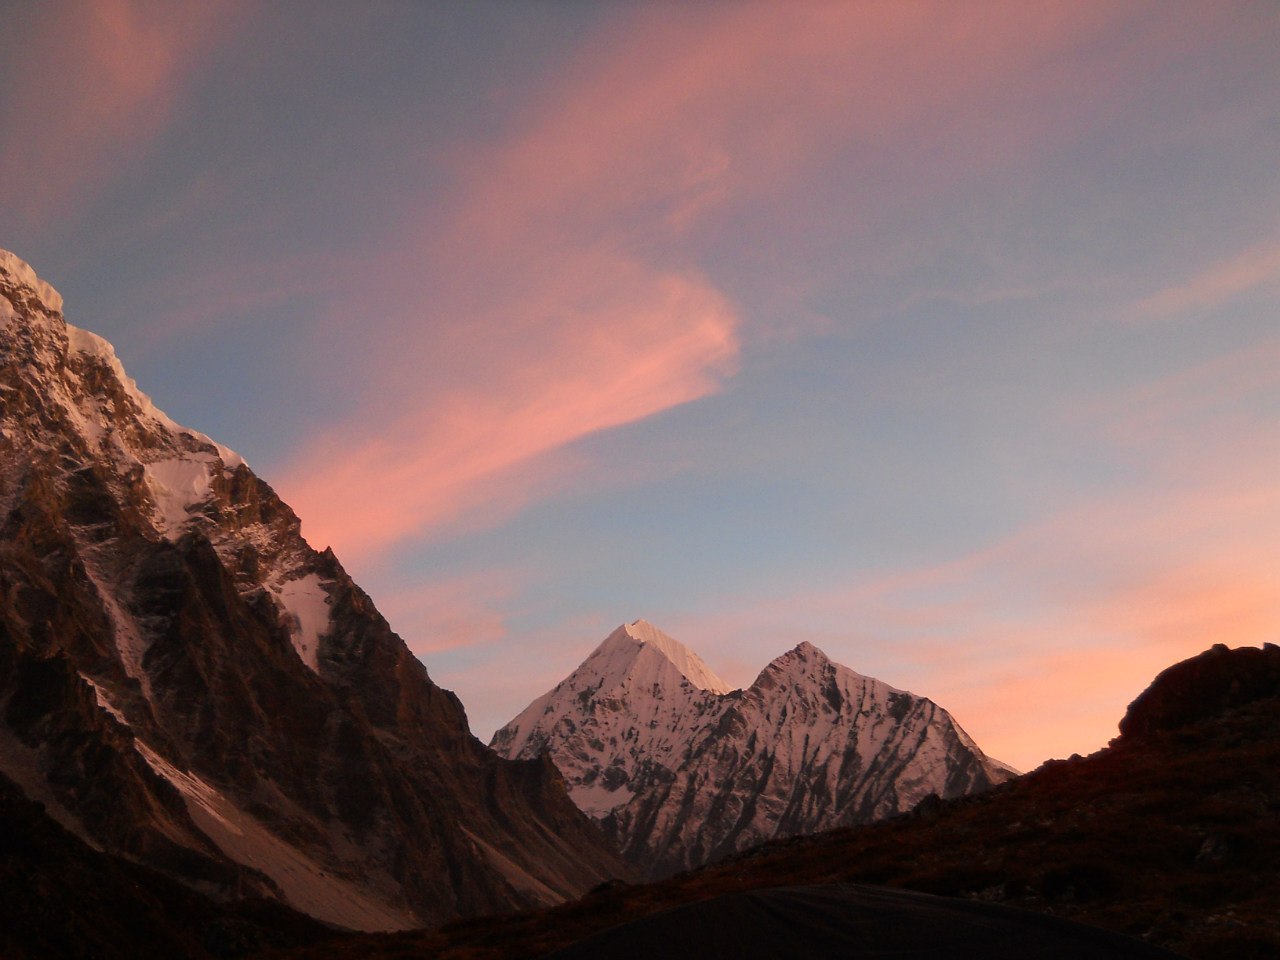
x=646 y=632
x=806 y=660
x=635 y=637
x=803 y=653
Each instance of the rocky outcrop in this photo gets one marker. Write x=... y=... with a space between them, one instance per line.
x=1203 y=687
x=185 y=681
x=680 y=770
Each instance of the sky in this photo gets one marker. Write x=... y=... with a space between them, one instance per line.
x=944 y=336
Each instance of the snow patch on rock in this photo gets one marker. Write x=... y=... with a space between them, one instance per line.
x=7 y=312
x=306 y=605
x=177 y=484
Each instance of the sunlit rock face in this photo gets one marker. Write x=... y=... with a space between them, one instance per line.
x=185 y=681
x=681 y=770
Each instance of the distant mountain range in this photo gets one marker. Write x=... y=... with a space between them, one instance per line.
x=187 y=684
x=681 y=770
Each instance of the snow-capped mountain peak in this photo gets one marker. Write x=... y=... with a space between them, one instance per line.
x=690 y=665
x=803 y=657
x=807 y=662
x=680 y=770
x=177 y=478
x=634 y=701
x=24 y=278
x=77 y=381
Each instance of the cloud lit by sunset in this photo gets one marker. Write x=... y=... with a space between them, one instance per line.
x=944 y=336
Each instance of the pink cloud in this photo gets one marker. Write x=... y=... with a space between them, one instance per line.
x=562 y=294
x=643 y=343
x=1259 y=266
x=90 y=86
x=1061 y=682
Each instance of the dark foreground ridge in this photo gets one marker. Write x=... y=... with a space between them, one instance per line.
x=61 y=898
x=847 y=920
x=1171 y=837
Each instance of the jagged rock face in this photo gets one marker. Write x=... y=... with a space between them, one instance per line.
x=681 y=771
x=1204 y=687
x=183 y=680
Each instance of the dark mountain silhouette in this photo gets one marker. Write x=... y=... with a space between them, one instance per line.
x=63 y=899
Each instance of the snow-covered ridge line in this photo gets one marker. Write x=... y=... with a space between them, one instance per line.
x=690 y=665
x=184 y=473
x=680 y=770
x=22 y=275
x=92 y=345
x=637 y=656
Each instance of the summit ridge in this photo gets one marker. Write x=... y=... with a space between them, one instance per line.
x=691 y=666
x=681 y=770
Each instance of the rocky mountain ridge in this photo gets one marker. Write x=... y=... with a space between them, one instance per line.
x=185 y=682
x=681 y=770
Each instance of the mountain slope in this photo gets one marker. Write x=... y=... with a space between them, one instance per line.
x=1169 y=835
x=61 y=898
x=186 y=682
x=682 y=771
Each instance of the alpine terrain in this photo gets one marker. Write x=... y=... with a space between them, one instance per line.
x=186 y=684
x=681 y=770
x=1169 y=835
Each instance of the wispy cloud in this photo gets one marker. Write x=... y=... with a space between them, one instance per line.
x=644 y=342
x=88 y=88
x=567 y=289
x=1257 y=267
